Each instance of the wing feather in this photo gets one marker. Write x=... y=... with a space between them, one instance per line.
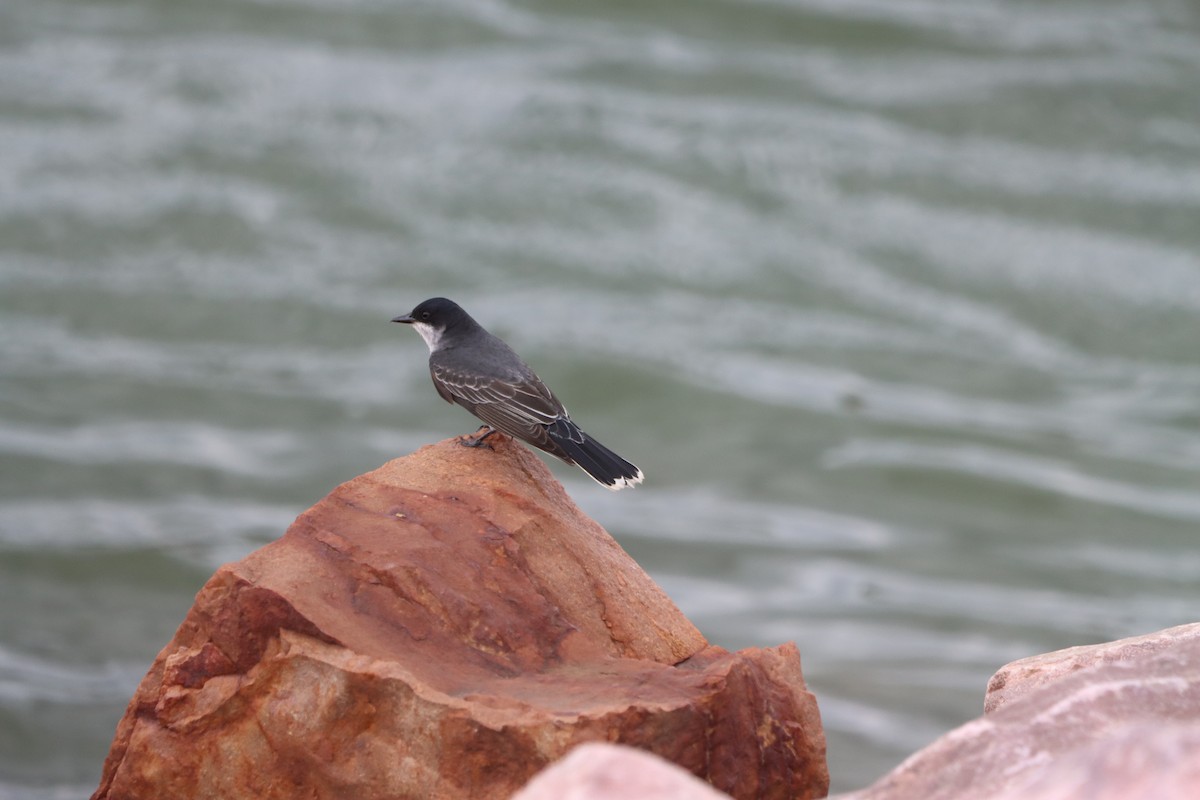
x=523 y=407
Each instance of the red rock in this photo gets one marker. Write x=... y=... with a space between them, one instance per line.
x=614 y=772
x=444 y=627
x=1073 y=725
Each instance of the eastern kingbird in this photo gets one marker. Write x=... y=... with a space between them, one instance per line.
x=482 y=374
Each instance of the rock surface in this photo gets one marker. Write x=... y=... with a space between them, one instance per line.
x=1155 y=762
x=1118 y=720
x=1027 y=675
x=615 y=772
x=444 y=627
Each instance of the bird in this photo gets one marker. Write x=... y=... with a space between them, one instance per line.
x=481 y=373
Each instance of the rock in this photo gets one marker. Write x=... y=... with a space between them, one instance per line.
x=1030 y=674
x=1073 y=725
x=1156 y=762
x=615 y=772
x=444 y=627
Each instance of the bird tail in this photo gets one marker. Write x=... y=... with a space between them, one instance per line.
x=603 y=465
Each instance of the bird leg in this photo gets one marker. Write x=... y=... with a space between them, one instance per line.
x=478 y=438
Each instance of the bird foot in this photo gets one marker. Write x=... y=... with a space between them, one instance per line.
x=478 y=438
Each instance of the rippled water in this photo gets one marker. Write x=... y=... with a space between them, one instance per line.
x=895 y=302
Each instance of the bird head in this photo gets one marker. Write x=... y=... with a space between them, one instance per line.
x=432 y=318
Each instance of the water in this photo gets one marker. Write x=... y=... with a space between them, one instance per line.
x=894 y=302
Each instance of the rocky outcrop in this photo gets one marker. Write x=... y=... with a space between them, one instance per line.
x=1117 y=720
x=444 y=627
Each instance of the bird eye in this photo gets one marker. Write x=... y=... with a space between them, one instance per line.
x=424 y=315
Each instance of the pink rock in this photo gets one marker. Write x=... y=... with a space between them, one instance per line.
x=1076 y=726
x=444 y=627
x=614 y=772
x=1156 y=762
x=1022 y=677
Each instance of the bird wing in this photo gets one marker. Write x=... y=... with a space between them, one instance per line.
x=522 y=407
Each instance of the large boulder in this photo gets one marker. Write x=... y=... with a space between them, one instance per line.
x=1116 y=720
x=1027 y=675
x=444 y=627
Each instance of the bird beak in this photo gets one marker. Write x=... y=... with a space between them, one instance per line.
x=405 y=318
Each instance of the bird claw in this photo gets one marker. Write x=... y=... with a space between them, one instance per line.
x=478 y=438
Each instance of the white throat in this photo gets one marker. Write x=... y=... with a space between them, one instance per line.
x=431 y=335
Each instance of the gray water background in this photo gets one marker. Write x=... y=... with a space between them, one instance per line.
x=894 y=301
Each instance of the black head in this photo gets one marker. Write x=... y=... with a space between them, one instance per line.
x=436 y=312
x=436 y=316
